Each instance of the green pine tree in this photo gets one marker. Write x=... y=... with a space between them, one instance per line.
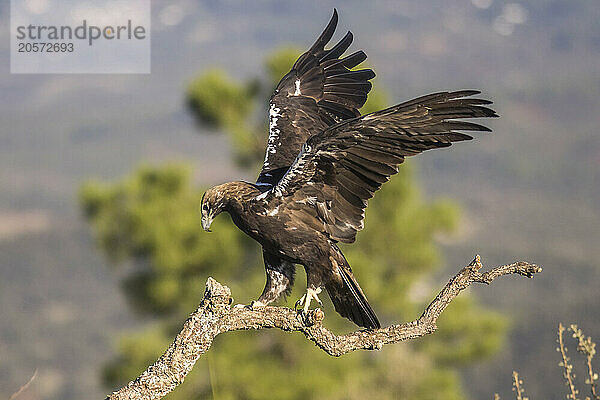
x=149 y=223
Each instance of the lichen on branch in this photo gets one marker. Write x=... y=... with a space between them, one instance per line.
x=216 y=315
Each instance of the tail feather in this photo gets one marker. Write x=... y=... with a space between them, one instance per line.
x=350 y=301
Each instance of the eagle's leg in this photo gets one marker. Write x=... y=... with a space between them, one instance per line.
x=311 y=294
x=280 y=278
x=278 y=283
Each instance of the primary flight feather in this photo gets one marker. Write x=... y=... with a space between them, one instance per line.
x=322 y=164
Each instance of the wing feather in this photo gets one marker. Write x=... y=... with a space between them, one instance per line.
x=344 y=165
x=318 y=92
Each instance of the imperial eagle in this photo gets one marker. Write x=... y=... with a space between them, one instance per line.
x=323 y=162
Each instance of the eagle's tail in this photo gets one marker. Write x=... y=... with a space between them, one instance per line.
x=348 y=298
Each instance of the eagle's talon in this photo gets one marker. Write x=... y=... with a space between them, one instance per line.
x=300 y=302
x=304 y=302
x=255 y=304
x=311 y=317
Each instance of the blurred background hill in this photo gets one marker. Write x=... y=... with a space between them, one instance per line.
x=528 y=191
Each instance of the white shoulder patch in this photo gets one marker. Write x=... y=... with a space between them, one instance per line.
x=274 y=114
x=297 y=168
x=297 y=92
x=262 y=196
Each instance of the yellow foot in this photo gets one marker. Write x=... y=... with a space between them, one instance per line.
x=305 y=300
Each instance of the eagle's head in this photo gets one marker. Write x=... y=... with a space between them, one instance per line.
x=212 y=204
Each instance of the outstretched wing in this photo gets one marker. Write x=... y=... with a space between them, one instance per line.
x=338 y=170
x=318 y=92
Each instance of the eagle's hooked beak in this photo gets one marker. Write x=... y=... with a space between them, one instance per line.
x=206 y=221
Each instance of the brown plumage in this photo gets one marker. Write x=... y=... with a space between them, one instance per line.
x=323 y=162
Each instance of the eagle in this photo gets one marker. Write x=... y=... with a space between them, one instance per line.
x=323 y=162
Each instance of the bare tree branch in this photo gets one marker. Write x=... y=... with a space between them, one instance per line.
x=215 y=315
x=24 y=387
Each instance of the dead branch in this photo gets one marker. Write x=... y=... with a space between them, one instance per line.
x=215 y=315
x=24 y=387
